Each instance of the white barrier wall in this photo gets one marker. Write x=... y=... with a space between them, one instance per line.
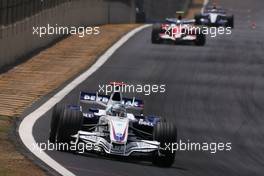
x=17 y=40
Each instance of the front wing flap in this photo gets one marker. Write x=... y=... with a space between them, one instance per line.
x=102 y=145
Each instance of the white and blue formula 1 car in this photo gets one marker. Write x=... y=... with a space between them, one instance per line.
x=214 y=17
x=111 y=130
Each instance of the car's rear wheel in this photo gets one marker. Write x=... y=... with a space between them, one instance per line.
x=166 y=134
x=69 y=124
x=155 y=35
x=55 y=118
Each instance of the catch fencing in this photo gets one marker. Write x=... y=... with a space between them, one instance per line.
x=18 y=17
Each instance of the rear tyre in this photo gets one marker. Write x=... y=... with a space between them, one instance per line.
x=70 y=123
x=155 y=35
x=56 y=112
x=165 y=133
x=200 y=40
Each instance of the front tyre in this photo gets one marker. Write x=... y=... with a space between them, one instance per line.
x=55 y=118
x=197 y=19
x=155 y=34
x=200 y=40
x=70 y=123
x=230 y=21
x=165 y=133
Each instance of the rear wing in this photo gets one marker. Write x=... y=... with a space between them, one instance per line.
x=209 y=9
x=133 y=103
x=97 y=99
x=94 y=98
x=176 y=21
x=215 y=11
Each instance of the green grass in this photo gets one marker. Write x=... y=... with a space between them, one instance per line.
x=4 y=171
x=4 y=117
x=4 y=124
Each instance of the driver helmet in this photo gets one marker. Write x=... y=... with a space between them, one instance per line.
x=214 y=6
x=179 y=17
x=118 y=110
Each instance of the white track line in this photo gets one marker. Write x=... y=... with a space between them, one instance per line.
x=26 y=127
x=204 y=4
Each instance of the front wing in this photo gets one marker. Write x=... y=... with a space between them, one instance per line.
x=178 y=38
x=102 y=145
x=207 y=22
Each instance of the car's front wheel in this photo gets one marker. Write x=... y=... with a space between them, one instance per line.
x=197 y=19
x=155 y=35
x=230 y=21
x=166 y=134
x=200 y=40
x=69 y=124
x=55 y=118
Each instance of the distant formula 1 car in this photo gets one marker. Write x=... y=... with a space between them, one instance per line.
x=177 y=30
x=214 y=17
x=112 y=130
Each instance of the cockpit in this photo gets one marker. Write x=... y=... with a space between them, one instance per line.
x=116 y=96
x=118 y=110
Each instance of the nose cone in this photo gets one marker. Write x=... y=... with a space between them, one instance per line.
x=213 y=18
x=119 y=130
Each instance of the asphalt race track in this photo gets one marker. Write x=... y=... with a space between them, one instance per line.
x=214 y=93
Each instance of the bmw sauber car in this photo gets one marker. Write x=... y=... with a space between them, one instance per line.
x=215 y=17
x=111 y=130
x=177 y=31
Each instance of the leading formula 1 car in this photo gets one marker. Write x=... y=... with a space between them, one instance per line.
x=112 y=130
x=177 y=30
x=214 y=17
